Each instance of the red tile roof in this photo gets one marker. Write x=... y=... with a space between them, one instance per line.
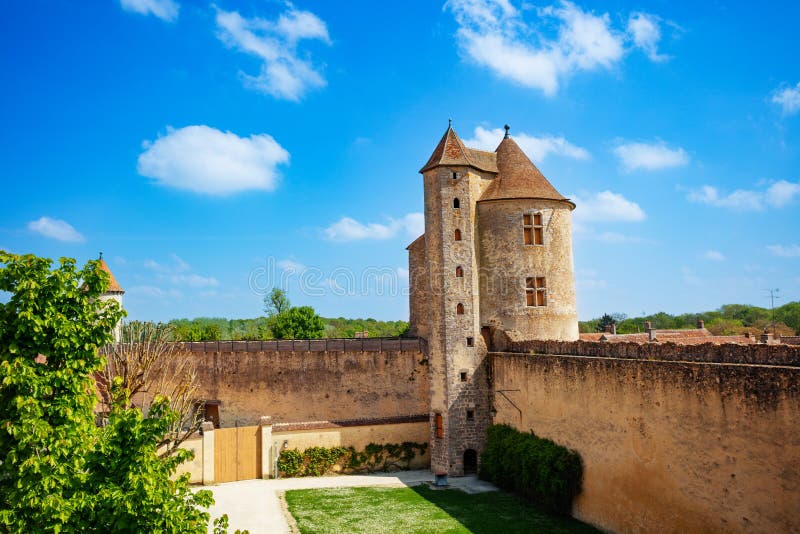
x=451 y=151
x=518 y=177
x=113 y=286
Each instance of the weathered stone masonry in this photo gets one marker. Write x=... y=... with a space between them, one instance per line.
x=310 y=383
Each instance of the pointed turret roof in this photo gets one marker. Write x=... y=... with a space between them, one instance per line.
x=518 y=177
x=113 y=285
x=451 y=151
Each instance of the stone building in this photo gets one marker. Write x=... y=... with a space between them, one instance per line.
x=114 y=292
x=496 y=256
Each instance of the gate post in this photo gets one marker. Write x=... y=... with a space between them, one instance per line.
x=208 y=452
x=266 y=445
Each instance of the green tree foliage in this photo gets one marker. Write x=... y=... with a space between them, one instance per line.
x=603 y=322
x=59 y=471
x=535 y=468
x=728 y=319
x=276 y=302
x=298 y=323
x=261 y=328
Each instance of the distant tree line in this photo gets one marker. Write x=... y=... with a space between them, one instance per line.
x=730 y=319
x=283 y=321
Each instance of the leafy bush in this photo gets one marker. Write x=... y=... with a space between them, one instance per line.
x=535 y=468
x=317 y=461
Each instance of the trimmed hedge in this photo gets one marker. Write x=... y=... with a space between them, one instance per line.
x=318 y=461
x=533 y=467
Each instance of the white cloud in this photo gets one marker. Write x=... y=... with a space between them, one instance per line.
x=56 y=229
x=177 y=265
x=788 y=98
x=785 y=251
x=645 y=31
x=777 y=195
x=714 y=255
x=606 y=207
x=193 y=280
x=589 y=284
x=206 y=160
x=494 y=34
x=163 y=9
x=152 y=292
x=347 y=229
x=615 y=238
x=650 y=156
x=402 y=274
x=284 y=74
x=537 y=148
x=781 y=193
x=291 y=266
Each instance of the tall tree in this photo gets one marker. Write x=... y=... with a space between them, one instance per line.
x=59 y=471
x=148 y=366
x=276 y=302
x=298 y=323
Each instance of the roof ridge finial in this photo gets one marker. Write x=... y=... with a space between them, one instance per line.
x=507 y=128
x=101 y=255
x=450 y=124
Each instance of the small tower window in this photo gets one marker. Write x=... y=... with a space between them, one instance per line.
x=459 y=272
x=459 y=309
x=439 y=426
x=470 y=341
x=470 y=415
x=458 y=235
x=455 y=175
x=532 y=229
x=456 y=204
x=464 y=376
x=535 y=291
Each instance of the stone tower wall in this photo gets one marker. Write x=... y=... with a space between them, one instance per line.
x=506 y=261
x=450 y=353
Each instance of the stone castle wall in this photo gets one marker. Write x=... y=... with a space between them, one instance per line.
x=506 y=262
x=668 y=444
x=310 y=383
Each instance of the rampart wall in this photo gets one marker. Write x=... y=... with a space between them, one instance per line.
x=312 y=380
x=673 y=439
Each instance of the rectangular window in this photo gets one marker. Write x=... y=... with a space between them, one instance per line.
x=470 y=341
x=470 y=415
x=439 y=428
x=532 y=229
x=535 y=291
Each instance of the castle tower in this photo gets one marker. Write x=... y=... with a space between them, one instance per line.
x=114 y=292
x=525 y=252
x=469 y=272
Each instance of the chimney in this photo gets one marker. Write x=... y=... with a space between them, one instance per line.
x=607 y=328
x=614 y=328
x=651 y=334
x=701 y=324
x=767 y=338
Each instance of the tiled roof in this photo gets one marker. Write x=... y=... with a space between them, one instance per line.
x=451 y=151
x=418 y=241
x=518 y=177
x=113 y=286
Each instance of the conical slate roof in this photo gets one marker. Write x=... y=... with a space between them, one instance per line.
x=451 y=151
x=518 y=177
x=113 y=286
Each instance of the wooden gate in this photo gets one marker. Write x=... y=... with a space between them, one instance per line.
x=237 y=453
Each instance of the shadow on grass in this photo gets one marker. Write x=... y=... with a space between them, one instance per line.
x=420 y=510
x=498 y=511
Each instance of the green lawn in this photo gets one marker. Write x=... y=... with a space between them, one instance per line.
x=420 y=510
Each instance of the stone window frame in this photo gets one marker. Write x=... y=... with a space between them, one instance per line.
x=459 y=271
x=438 y=425
x=533 y=228
x=456 y=203
x=457 y=234
x=460 y=308
x=470 y=341
x=535 y=291
x=470 y=415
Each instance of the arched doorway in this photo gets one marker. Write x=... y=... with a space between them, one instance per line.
x=470 y=462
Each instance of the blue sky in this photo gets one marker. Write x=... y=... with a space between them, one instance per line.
x=211 y=150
